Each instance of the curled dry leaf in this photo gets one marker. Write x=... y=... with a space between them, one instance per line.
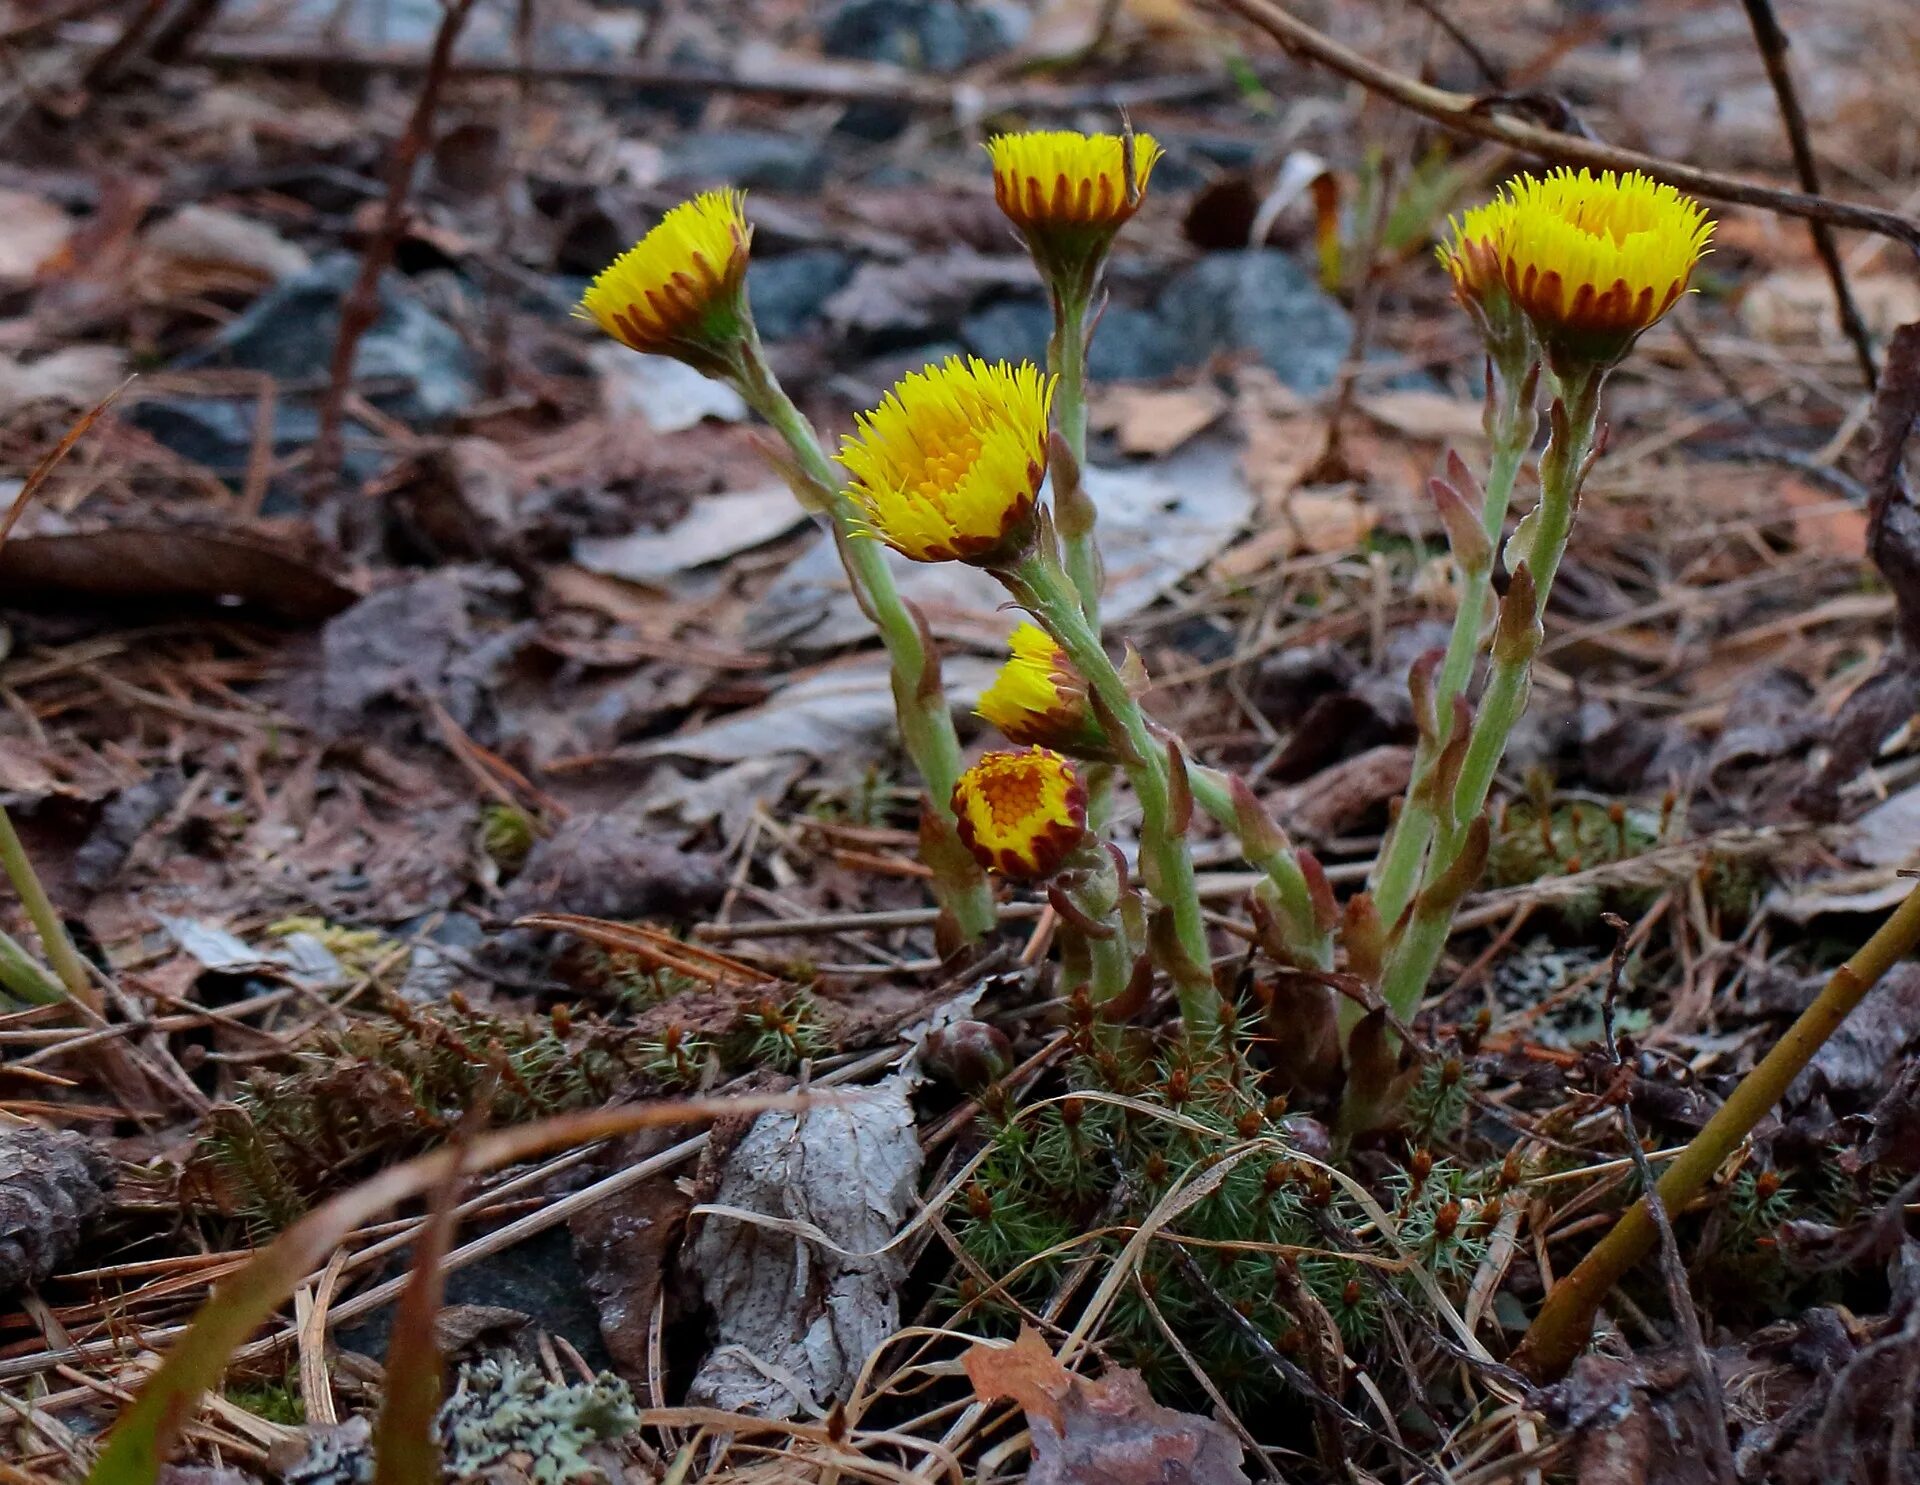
x=805 y=1293
x=1109 y=1432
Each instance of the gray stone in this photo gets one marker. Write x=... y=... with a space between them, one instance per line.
x=929 y=35
x=752 y=159
x=1129 y=344
x=290 y=330
x=217 y=434
x=789 y=292
x=1259 y=300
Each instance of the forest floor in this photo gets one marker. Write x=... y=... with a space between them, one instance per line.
x=321 y=676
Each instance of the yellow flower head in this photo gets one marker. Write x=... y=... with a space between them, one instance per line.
x=1039 y=699
x=1059 y=178
x=949 y=465
x=1591 y=260
x=1069 y=194
x=676 y=292
x=1021 y=814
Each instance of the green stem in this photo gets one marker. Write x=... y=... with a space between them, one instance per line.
x=1411 y=964
x=1565 y=1321
x=1511 y=428
x=1044 y=589
x=23 y=978
x=1213 y=792
x=1095 y=892
x=1067 y=360
x=54 y=939
x=926 y=722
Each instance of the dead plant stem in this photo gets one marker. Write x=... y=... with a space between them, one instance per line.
x=1565 y=1321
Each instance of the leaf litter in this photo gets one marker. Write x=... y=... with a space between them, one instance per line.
x=552 y=647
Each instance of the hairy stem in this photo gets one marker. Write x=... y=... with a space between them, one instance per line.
x=926 y=723
x=1042 y=587
x=1213 y=792
x=1410 y=965
x=1510 y=426
x=1565 y=1321
x=1067 y=360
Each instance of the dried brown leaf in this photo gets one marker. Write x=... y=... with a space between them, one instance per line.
x=1109 y=1432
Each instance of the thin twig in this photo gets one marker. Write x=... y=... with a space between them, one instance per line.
x=831 y=83
x=1673 y=1269
x=362 y=304
x=1772 y=42
x=1478 y=119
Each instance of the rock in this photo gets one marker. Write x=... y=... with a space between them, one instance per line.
x=789 y=293
x=927 y=35
x=1259 y=301
x=752 y=159
x=290 y=330
x=1130 y=345
x=217 y=434
x=538 y=1277
x=1009 y=330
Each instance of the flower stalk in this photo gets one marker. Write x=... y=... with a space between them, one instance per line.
x=1455 y=795
x=1157 y=771
x=1474 y=535
x=920 y=702
x=1074 y=514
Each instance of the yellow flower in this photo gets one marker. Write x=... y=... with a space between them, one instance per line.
x=1059 y=178
x=1591 y=260
x=1038 y=698
x=1069 y=194
x=1021 y=814
x=949 y=465
x=676 y=292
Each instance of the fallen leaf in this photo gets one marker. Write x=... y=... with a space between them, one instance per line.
x=1889 y=833
x=1795 y=305
x=667 y=395
x=803 y=1296
x=1027 y=1373
x=1159 y=522
x=1823 y=521
x=201 y=244
x=715 y=527
x=1278 y=450
x=838 y=714
x=133 y=562
x=1155 y=421
x=1109 y=1432
x=1432 y=417
x=1308 y=521
x=31 y=232
x=73 y=376
x=920 y=292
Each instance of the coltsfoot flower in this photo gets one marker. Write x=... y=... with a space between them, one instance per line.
x=1590 y=260
x=1069 y=193
x=1021 y=814
x=1039 y=699
x=949 y=465
x=677 y=292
